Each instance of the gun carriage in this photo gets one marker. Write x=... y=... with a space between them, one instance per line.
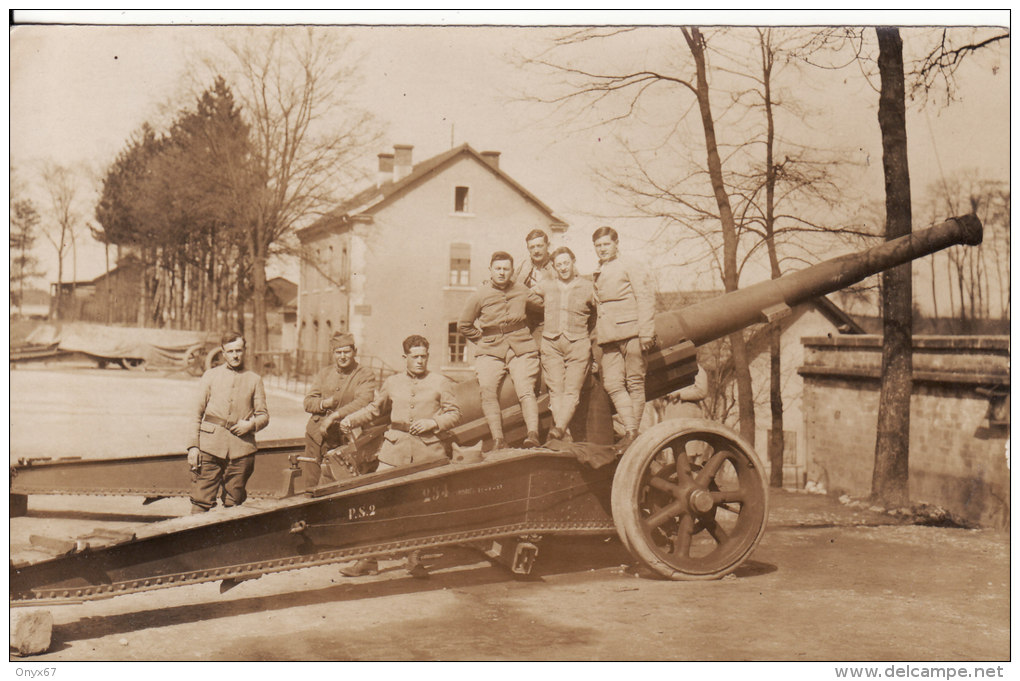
x=688 y=498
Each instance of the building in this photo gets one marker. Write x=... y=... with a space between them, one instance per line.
x=402 y=256
x=281 y=314
x=115 y=298
x=111 y=298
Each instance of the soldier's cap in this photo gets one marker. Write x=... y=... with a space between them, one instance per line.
x=341 y=339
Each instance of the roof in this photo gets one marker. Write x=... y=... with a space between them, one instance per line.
x=283 y=290
x=843 y=322
x=371 y=200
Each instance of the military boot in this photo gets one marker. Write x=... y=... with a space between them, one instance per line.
x=365 y=566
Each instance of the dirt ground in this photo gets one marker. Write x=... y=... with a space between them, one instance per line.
x=828 y=582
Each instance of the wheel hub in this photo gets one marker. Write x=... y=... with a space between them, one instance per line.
x=701 y=501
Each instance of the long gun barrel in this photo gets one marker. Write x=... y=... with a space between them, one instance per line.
x=704 y=322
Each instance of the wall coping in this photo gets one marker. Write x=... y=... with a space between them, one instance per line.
x=920 y=342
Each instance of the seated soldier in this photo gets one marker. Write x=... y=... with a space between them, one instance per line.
x=336 y=391
x=422 y=406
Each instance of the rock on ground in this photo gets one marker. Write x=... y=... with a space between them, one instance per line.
x=31 y=631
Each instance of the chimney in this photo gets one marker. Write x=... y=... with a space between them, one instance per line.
x=492 y=158
x=385 y=170
x=401 y=161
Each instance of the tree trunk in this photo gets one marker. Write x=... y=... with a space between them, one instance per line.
x=889 y=482
x=738 y=346
x=60 y=287
x=777 y=438
x=260 y=329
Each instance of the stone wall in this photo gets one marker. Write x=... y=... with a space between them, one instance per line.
x=959 y=421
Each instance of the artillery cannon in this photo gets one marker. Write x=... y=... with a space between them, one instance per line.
x=688 y=498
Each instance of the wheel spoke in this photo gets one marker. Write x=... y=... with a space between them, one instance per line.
x=663 y=514
x=730 y=496
x=662 y=485
x=717 y=532
x=682 y=546
x=683 y=464
x=711 y=468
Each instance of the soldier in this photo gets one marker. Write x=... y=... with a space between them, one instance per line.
x=231 y=407
x=422 y=407
x=336 y=391
x=539 y=265
x=566 y=345
x=495 y=320
x=625 y=328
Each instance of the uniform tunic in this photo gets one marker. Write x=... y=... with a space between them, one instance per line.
x=225 y=396
x=529 y=275
x=228 y=395
x=409 y=399
x=626 y=316
x=352 y=390
x=566 y=346
x=495 y=319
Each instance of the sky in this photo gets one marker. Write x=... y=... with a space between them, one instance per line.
x=78 y=92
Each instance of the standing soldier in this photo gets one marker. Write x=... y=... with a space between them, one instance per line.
x=566 y=345
x=231 y=407
x=625 y=328
x=336 y=391
x=539 y=264
x=495 y=320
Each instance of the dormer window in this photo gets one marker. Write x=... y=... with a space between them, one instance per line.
x=460 y=200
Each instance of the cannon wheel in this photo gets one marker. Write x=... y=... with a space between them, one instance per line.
x=194 y=360
x=690 y=499
x=132 y=363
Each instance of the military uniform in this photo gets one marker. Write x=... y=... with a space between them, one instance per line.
x=529 y=275
x=225 y=397
x=625 y=300
x=495 y=320
x=350 y=390
x=409 y=399
x=566 y=345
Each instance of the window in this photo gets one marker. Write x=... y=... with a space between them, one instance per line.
x=460 y=200
x=460 y=264
x=457 y=343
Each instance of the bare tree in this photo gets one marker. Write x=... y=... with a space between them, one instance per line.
x=970 y=283
x=296 y=86
x=935 y=72
x=62 y=189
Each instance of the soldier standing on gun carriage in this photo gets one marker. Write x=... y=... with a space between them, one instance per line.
x=494 y=319
x=566 y=345
x=624 y=329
